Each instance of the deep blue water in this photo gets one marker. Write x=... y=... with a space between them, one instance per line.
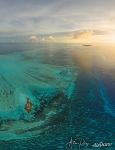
x=72 y=90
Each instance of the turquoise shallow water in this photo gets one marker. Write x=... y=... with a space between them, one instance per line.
x=71 y=88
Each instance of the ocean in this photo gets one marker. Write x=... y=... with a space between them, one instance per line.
x=57 y=96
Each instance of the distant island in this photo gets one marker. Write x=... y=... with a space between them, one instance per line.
x=87 y=45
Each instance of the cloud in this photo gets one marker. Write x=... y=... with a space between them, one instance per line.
x=33 y=38
x=32 y=17
x=51 y=38
x=43 y=39
x=82 y=34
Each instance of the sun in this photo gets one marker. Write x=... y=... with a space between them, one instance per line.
x=110 y=38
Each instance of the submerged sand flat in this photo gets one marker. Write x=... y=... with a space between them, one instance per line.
x=22 y=78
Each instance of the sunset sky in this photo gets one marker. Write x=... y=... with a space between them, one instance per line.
x=83 y=20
